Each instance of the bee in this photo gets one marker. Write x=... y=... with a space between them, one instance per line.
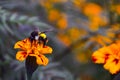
x=39 y=36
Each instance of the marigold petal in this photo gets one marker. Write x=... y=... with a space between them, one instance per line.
x=21 y=55
x=98 y=57
x=112 y=66
x=42 y=60
x=24 y=44
x=114 y=48
x=45 y=50
x=101 y=55
x=19 y=44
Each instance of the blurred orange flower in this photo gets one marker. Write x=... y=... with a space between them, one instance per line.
x=45 y=3
x=92 y=9
x=116 y=8
x=62 y=22
x=101 y=40
x=75 y=33
x=79 y=3
x=96 y=22
x=82 y=57
x=94 y=12
x=58 y=17
x=65 y=39
x=71 y=35
x=109 y=56
x=58 y=1
x=32 y=49
x=54 y=15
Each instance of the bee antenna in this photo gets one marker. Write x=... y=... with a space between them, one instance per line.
x=49 y=30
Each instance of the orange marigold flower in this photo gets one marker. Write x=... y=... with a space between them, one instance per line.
x=65 y=39
x=116 y=8
x=91 y=9
x=109 y=56
x=54 y=15
x=62 y=23
x=32 y=49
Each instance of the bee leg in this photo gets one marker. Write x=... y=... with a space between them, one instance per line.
x=45 y=42
x=31 y=40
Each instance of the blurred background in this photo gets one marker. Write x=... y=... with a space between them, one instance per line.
x=79 y=28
